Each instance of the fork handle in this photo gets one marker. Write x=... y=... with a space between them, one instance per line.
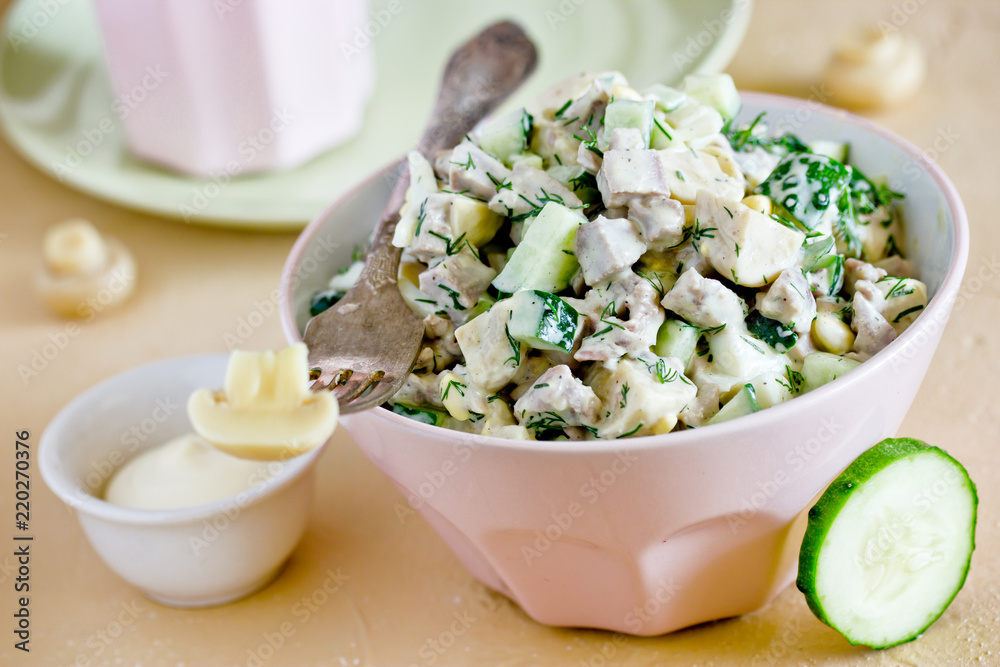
x=479 y=76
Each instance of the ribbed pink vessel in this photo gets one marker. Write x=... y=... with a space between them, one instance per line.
x=236 y=86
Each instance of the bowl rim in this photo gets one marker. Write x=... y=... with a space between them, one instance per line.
x=937 y=311
x=60 y=481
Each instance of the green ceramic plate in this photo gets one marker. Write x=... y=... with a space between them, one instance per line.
x=56 y=101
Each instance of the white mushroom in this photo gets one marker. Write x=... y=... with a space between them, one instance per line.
x=875 y=69
x=84 y=273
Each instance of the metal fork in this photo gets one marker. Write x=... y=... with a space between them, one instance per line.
x=364 y=347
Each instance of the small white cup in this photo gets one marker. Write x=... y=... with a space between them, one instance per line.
x=191 y=557
x=236 y=86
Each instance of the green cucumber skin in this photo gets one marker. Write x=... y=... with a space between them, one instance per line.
x=431 y=416
x=555 y=328
x=860 y=471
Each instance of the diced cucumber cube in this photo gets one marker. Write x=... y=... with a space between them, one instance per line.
x=772 y=332
x=677 y=339
x=818 y=368
x=664 y=135
x=715 y=90
x=815 y=249
x=483 y=305
x=582 y=182
x=832 y=149
x=544 y=259
x=506 y=135
x=544 y=321
x=527 y=159
x=564 y=173
x=667 y=98
x=637 y=114
x=422 y=414
x=833 y=277
x=743 y=403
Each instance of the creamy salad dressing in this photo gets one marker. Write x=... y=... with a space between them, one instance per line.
x=184 y=472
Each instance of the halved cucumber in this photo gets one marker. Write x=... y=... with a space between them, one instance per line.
x=888 y=545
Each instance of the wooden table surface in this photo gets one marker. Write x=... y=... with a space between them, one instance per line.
x=403 y=588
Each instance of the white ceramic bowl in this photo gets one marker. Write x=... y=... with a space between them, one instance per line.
x=648 y=535
x=191 y=557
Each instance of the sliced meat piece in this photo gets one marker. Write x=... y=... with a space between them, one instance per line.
x=558 y=399
x=475 y=171
x=789 y=300
x=704 y=302
x=626 y=174
x=606 y=246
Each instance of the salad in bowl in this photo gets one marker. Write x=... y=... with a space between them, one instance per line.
x=614 y=262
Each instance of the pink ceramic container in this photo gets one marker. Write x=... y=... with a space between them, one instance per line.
x=648 y=535
x=236 y=86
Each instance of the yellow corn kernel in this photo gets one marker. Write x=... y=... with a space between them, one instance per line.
x=830 y=334
x=758 y=203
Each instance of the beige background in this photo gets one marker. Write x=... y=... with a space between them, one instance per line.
x=403 y=588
